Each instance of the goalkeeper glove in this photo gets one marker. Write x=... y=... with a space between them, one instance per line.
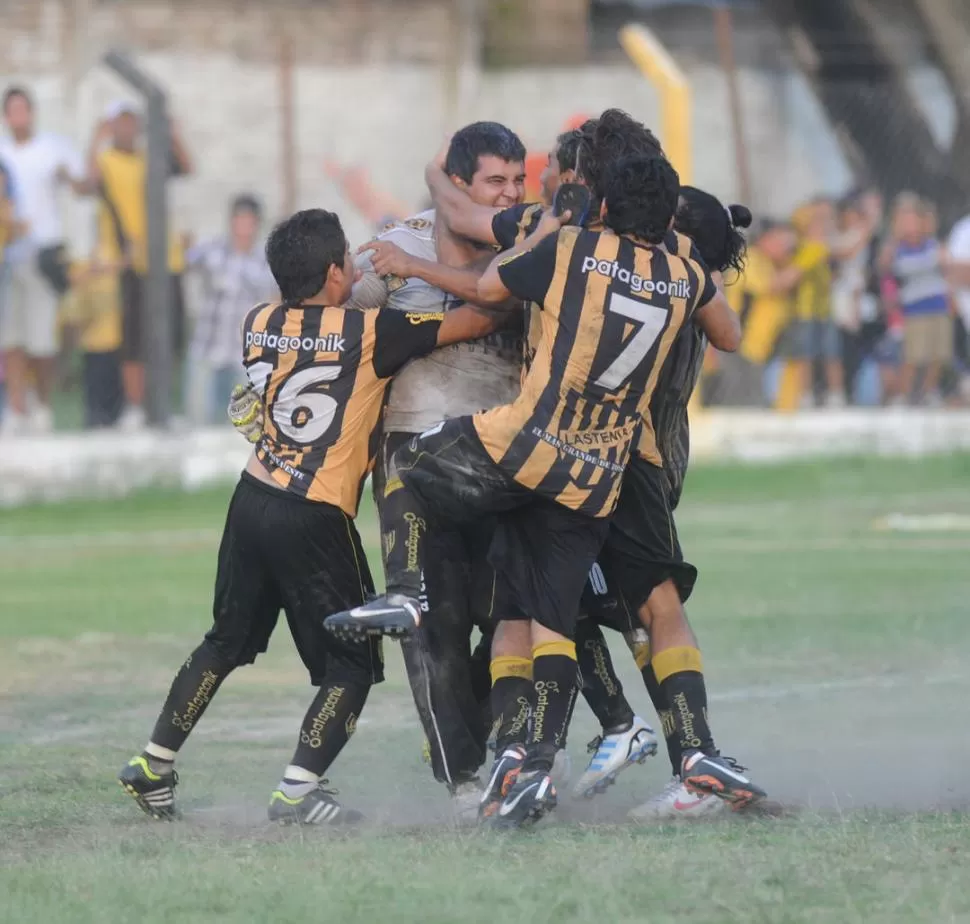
x=246 y=412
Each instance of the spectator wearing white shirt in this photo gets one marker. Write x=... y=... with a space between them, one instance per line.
x=39 y=163
x=235 y=278
x=958 y=273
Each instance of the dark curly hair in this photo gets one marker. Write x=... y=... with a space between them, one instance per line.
x=607 y=139
x=640 y=193
x=714 y=228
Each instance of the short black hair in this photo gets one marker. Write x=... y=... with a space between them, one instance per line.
x=301 y=250
x=567 y=148
x=640 y=193
x=15 y=91
x=713 y=227
x=612 y=136
x=246 y=202
x=481 y=139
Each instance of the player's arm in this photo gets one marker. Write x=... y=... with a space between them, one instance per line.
x=405 y=335
x=524 y=272
x=371 y=289
x=719 y=321
x=462 y=216
x=390 y=260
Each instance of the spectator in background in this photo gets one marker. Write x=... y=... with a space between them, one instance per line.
x=235 y=278
x=958 y=274
x=856 y=304
x=10 y=229
x=93 y=311
x=39 y=164
x=117 y=169
x=761 y=296
x=377 y=207
x=917 y=262
x=813 y=337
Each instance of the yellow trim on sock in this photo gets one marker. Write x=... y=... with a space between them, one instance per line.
x=641 y=654
x=565 y=648
x=510 y=666
x=675 y=661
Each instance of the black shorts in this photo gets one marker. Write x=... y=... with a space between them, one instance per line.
x=278 y=552
x=133 y=310
x=641 y=551
x=461 y=581
x=540 y=550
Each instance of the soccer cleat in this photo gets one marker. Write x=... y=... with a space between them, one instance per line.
x=613 y=752
x=154 y=792
x=317 y=807
x=504 y=772
x=465 y=799
x=719 y=776
x=531 y=796
x=393 y=614
x=676 y=802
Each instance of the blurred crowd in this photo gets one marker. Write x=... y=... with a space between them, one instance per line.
x=71 y=320
x=847 y=302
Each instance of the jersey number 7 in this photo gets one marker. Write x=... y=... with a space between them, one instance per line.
x=295 y=400
x=652 y=321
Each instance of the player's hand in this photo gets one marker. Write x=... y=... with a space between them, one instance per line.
x=550 y=223
x=388 y=259
x=246 y=412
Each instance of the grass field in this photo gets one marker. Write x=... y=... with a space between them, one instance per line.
x=837 y=663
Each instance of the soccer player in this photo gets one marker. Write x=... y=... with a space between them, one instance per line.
x=321 y=372
x=485 y=160
x=550 y=463
x=642 y=564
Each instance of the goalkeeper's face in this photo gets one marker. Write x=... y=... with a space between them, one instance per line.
x=497 y=183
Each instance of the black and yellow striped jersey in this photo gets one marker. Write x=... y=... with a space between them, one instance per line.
x=322 y=374
x=513 y=225
x=611 y=309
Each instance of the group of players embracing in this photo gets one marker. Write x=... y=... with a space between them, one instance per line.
x=516 y=378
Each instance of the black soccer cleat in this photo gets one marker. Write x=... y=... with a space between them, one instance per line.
x=719 y=776
x=501 y=779
x=154 y=792
x=392 y=614
x=531 y=796
x=317 y=807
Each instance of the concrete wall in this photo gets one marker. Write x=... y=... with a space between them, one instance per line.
x=373 y=85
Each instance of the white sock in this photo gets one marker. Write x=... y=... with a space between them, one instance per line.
x=297 y=782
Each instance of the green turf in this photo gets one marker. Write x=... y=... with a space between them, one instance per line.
x=836 y=661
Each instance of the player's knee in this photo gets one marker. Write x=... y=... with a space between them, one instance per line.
x=663 y=605
x=228 y=652
x=512 y=639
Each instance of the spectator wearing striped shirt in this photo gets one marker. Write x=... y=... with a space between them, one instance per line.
x=235 y=277
x=917 y=261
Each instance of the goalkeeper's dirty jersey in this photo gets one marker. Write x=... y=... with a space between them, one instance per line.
x=456 y=380
x=611 y=308
x=322 y=374
x=665 y=439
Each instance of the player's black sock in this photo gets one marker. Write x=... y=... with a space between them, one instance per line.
x=328 y=725
x=404 y=527
x=511 y=698
x=555 y=676
x=601 y=687
x=679 y=672
x=641 y=655
x=192 y=689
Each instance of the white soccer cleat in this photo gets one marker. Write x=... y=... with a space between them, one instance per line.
x=677 y=802
x=613 y=753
